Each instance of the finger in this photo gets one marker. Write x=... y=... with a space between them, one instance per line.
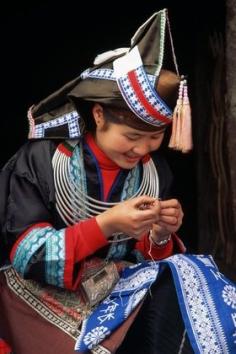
x=150 y=215
x=170 y=203
x=171 y=220
x=170 y=212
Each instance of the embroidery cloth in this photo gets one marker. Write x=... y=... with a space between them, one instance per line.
x=206 y=297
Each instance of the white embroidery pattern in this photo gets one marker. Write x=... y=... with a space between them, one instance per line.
x=229 y=296
x=209 y=262
x=109 y=312
x=95 y=336
x=70 y=119
x=134 y=301
x=136 y=281
x=108 y=74
x=200 y=307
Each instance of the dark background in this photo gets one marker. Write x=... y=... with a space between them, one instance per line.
x=44 y=44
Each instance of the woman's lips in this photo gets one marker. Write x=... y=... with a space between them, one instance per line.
x=132 y=158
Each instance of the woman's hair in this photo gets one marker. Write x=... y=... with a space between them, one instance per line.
x=127 y=117
x=114 y=115
x=85 y=111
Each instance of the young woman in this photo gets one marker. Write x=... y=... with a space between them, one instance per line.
x=89 y=225
x=111 y=159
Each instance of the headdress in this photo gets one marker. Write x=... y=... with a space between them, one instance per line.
x=139 y=78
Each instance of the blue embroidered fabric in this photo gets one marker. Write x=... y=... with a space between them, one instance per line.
x=54 y=243
x=206 y=297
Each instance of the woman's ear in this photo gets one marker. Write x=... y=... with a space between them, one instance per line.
x=98 y=116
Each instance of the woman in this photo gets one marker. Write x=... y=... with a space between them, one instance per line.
x=111 y=154
x=88 y=214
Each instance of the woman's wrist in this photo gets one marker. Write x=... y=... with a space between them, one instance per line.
x=159 y=242
x=106 y=225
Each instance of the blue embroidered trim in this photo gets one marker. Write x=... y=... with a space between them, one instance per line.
x=132 y=183
x=55 y=258
x=200 y=311
x=108 y=74
x=54 y=242
x=71 y=119
x=28 y=246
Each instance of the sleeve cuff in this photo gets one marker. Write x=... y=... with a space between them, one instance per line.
x=150 y=251
x=157 y=252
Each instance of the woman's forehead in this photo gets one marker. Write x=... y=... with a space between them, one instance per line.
x=131 y=130
x=128 y=118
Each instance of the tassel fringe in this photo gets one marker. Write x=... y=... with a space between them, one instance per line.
x=181 y=136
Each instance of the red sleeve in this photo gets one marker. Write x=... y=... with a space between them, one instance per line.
x=150 y=251
x=4 y=347
x=82 y=240
x=87 y=238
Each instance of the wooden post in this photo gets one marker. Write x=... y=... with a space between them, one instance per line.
x=231 y=118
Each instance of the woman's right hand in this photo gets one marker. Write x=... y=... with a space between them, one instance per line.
x=133 y=217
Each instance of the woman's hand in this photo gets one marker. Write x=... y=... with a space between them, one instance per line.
x=133 y=217
x=170 y=219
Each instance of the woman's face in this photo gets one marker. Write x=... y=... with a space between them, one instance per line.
x=124 y=145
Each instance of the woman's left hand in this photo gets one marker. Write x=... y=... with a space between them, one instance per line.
x=171 y=216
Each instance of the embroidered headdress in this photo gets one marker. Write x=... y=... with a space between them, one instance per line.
x=143 y=78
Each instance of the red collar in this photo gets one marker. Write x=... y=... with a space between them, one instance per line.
x=103 y=160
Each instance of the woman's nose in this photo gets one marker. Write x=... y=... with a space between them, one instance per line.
x=142 y=149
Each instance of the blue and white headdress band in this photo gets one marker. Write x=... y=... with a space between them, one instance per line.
x=138 y=91
x=137 y=88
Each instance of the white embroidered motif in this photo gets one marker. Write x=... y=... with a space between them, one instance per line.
x=200 y=307
x=229 y=296
x=96 y=336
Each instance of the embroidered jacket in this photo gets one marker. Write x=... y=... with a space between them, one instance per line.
x=40 y=245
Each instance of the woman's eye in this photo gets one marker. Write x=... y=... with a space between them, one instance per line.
x=156 y=137
x=132 y=138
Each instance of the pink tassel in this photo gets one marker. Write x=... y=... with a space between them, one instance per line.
x=176 y=123
x=181 y=136
x=186 y=134
x=172 y=142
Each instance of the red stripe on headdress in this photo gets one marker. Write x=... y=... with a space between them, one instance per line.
x=138 y=90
